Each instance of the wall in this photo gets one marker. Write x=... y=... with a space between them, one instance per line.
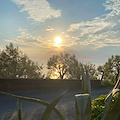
x=35 y=84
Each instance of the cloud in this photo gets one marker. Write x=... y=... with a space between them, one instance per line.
x=90 y=26
x=114 y=6
x=39 y=48
x=101 y=31
x=38 y=10
x=49 y=29
x=26 y=39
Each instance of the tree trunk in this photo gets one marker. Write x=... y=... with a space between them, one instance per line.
x=61 y=77
x=102 y=76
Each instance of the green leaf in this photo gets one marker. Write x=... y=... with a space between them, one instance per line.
x=115 y=112
x=35 y=101
x=19 y=106
x=88 y=82
x=78 y=114
x=86 y=85
x=108 y=104
x=112 y=93
x=116 y=88
x=107 y=111
x=83 y=107
x=51 y=106
x=117 y=85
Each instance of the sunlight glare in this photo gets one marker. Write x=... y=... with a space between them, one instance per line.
x=58 y=40
x=54 y=75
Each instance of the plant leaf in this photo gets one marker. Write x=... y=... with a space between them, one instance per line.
x=113 y=92
x=83 y=107
x=115 y=112
x=86 y=85
x=117 y=85
x=51 y=106
x=109 y=97
x=78 y=114
x=35 y=101
x=88 y=111
x=19 y=106
x=108 y=104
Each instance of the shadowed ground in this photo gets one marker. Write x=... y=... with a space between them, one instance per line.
x=33 y=111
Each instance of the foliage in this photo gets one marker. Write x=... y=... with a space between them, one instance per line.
x=82 y=105
x=106 y=107
x=61 y=64
x=19 y=106
x=65 y=64
x=110 y=70
x=83 y=101
x=103 y=108
x=51 y=107
x=15 y=64
x=86 y=84
x=100 y=70
x=75 y=71
x=98 y=105
x=91 y=70
x=107 y=83
x=47 y=112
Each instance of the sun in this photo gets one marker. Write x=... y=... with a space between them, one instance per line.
x=58 y=40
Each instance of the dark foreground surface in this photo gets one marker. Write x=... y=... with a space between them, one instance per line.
x=33 y=111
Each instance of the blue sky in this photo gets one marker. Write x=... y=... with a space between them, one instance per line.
x=88 y=28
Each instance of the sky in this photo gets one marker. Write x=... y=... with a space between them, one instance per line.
x=90 y=29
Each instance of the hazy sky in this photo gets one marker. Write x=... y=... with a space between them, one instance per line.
x=88 y=28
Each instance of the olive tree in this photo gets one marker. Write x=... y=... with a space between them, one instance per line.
x=15 y=64
x=111 y=69
x=61 y=65
x=65 y=64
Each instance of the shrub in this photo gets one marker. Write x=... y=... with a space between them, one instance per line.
x=98 y=106
x=107 y=83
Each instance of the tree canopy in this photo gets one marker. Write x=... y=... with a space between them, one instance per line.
x=93 y=73
x=61 y=64
x=15 y=64
x=111 y=69
x=66 y=65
